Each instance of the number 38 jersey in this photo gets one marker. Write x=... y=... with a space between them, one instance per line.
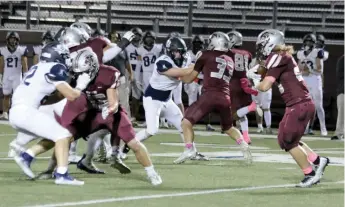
x=13 y=60
x=148 y=58
x=40 y=81
x=217 y=68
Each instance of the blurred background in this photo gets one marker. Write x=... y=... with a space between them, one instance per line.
x=294 y=18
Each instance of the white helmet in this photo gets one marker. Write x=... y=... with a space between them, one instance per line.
x=71 y=37
x=85 y=61
x=236 y=38
x=84 y=28
x=218 y=41
x=267 y=40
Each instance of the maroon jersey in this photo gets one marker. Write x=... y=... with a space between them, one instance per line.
x=96 y=92
x=217 y=68
x=284 y=69
x=96 y=44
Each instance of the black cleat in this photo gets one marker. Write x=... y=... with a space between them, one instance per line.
x=90 y=168
x=117 y=163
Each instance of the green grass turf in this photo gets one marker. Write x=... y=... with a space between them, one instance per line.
x=192 y=176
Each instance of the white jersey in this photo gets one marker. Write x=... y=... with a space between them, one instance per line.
x=190 y=58
x=13 y=60
x=310 y=59
x=40 y=81
x=148 y=58
x=132 y=55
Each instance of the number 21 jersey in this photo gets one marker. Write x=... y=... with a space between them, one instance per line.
x=13 y=60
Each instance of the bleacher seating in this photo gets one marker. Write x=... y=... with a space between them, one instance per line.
x=295 y=18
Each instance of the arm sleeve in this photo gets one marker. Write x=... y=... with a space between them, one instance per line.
x=115 y=80
x=199 y=64
x=163 y=65
x=246 y=87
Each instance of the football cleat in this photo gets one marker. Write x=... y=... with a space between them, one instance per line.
x=186 y=155
x=260 y=130
x=269 y=130
x=4 y=116
x=24 y=161
x=210 y=128
x=155 y=179
x=73 y=158
x=308 y=181
x=201 y=157
x=11 y=153
x=320 y=169
x=117 y=163
x=66 y=179
x=88 y=167
x=246 y=152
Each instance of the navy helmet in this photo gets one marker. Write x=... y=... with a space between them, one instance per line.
x=55 y=52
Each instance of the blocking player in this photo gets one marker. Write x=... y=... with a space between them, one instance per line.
x=240 y=86
x=13 y=63
x=217 y=68
x=132 y=53
x=47 y=37
x=310 y=62
x=283 y=69
x=43 y=79
x=157 y=98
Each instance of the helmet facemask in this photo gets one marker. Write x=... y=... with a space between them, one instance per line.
x=149 y=42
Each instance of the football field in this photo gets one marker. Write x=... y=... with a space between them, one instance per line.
x=224 y=181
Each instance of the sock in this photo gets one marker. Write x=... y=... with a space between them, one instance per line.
x=115 y=150
x=260 y=126
x=314 y=158
x=189 y=146
x=73 y=147
x=242 y=111
x=90 y=151
x=30 y=152
x=142 y=135
x=308 y=171
x=239 y=141
x=194 y=147
x=268 y=118
x=62 y=170
x=106 y=140
x=244 y=124
x=150 y=170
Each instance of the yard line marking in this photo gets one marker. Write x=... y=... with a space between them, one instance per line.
x=131 y=198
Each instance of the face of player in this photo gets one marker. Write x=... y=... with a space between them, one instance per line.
x=178 y=58
x=114 y=38
x=136 y=39
x=319 y=44
x=12 y=42
x=308 y=45
x=197 y=46
x=149 y=42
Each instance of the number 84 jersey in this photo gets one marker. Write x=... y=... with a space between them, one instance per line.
x=149 y=57
x=13 y=60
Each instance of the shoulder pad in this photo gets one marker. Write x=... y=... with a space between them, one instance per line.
x=58 y=72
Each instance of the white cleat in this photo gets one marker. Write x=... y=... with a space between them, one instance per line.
x=186 y=155
x=260 y=130
x=155 y=179
x=123 y=156
x=4 y=116
x=246 y=152
x=66 y=179
x=73 y=158
x=11 y=153
x=320 y=169
x=24 y=160
x=324 y=132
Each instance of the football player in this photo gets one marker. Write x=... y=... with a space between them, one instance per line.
x=132 y=53
x=47 y=37
x=13 y=63
x=310 y=62
x=217 y=68
x=240 y=86
x=46 y=77
x=282 y=68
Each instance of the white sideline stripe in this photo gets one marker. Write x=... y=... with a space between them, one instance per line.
x=131 y=198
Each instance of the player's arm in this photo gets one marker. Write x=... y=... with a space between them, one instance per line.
x=1 y=68
x=164 y=67
x=246 y=87
x=130 y=70
x=111 y=50
x=36 y=57
x=113 y=100
x=319 y=61
x=274 y=68
x=25 y=60
x=199 y=64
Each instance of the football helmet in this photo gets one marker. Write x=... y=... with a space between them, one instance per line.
x=236 y=39
x=85 y=29
x=218 y=41
x=138 y=35
x=176 y=50
x=320 y=41
x=55 y=52
x=84 y=61
x=47 y=37
x=71 y=37
x=267 y=40
x=309 y=41
x=149 y=39
x=198 y=43
x=12 y=40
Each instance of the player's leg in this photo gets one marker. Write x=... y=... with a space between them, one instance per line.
x=123 y=95
x=258 y=115
x=7 y=91
x=124 y=129
x=177 y=96
x=73 y=158
x=136 y=93
x=44 y=126
x=318 y=100
x=339 y=130
x=266 y=107
x=291 y=129
x=241 y=113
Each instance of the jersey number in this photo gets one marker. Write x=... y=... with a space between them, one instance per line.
x=12 y=62
x=29 y=75
x=225 y=69
x=147 y=61
x=241 y=62
x=133 y=56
